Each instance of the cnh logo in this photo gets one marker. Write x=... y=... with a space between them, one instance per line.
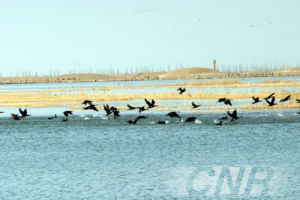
x=220 y=181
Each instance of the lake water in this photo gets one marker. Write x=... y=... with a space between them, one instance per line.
x=95 y=157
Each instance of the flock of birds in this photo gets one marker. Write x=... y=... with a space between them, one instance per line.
x=112 y=110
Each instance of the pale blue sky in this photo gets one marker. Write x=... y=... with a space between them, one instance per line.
x=64 y=34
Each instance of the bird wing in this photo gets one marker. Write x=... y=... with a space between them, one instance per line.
x=270 y=96
x=153 y=102
x=21 y=111
x=106 y=109
x=95 y=109
x=25 y=111
x=273 y=100
x=147 y=102
x=234 y=113
x=131 y=107
x=227 y=101
x=230 y=114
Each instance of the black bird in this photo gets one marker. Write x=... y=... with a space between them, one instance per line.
x=190 y=119
x=91 y=107
x=150 y=104
x=181 y=90
x=233 y=115
x=87 y=102
x=55 y=116
x=227 y=102
x=1 y=112
x=131 y=107
x=272 y=102
x=162 y=122
x=221 y=100
x=195 y=105
x=23 y=113
x=219 y=123
x=285 y=99
x=141 y=109
x=67 y=113
x=136 y=119
x=173 y=114
x=116 y=113
x=256 y=100
x=15 y=116
x=112 y=109
x=107 y=109
x=270 y=96
x=298 y=100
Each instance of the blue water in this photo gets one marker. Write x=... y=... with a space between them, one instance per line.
x=95 y=157
x=92 y=157
x=91 y=85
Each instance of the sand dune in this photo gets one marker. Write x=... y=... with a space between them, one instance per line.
x=183 y=73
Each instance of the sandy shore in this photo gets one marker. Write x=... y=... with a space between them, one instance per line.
x=73 y=97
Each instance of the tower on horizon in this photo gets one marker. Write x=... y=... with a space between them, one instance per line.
x=214 y=64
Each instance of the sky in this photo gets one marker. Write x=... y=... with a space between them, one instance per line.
x=66 y=35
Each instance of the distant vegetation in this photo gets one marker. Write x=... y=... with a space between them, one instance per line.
x=182 y=73
x=149 y=68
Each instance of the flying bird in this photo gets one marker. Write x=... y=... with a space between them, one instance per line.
x=131 y=107
x=15 y=116
x=225 y=101
x=256 y=100
x=285 y=99
x=272 y=102
x=181 y=90
x=173 y=114
x=107 y=109
x=91 y=107
x=195 y=105
x=150 y=104
x=233 y=115
x=23 y=113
